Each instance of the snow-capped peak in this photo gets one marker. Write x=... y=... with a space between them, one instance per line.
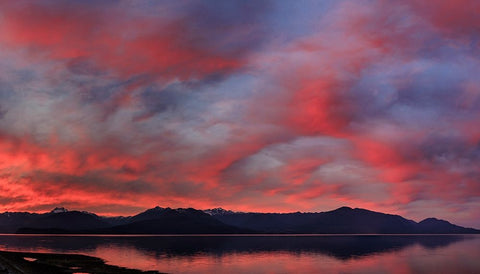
x=59 y=210
x=218 y=211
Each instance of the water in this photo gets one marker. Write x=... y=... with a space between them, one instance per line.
x=269 y=254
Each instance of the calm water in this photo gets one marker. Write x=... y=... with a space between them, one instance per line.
x=269 y=254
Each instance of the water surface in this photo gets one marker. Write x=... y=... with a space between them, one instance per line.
x=269 y=254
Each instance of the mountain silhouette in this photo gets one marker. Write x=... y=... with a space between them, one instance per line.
x=63 y=222
x=173 y=221
x=159 y=220
x=11 y=221
x=344 y=220
x=433 y=225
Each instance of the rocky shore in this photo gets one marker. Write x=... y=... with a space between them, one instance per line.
x=48 y=263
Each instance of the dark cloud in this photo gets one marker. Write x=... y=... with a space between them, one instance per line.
x=83 y=66
x=8 y=200
x=445 y=150
x=49 y=183
x=158 y=101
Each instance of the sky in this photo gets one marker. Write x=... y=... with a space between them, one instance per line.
x=268 y=106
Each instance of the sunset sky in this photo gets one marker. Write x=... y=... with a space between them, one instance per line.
x=269 y=106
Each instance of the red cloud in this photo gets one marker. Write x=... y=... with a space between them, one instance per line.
x=308 y=88
x=456 y=18
x=317 y=107
x=114 y=40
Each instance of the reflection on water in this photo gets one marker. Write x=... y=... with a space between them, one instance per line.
x=269 y=254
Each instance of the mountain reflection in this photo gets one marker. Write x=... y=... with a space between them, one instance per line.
x=337 y=246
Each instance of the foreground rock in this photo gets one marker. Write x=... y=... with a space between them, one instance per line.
x=39 y=263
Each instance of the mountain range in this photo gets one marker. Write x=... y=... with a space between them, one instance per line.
x=159 y=220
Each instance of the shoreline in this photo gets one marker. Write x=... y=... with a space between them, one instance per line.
x=50 y=263
x=230 y=234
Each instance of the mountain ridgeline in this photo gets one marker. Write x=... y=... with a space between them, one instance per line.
x=160 y=220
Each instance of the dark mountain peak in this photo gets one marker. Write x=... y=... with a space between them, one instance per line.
x=361 y=211
x=61 y=213
x=9 y=213
x=89 y=213
x=343 y=208
x=155 y=209
x=189 y=209
x=159 y=209
x=433 y=225
x=434 y=221
x=185 y=211
x=151 y=213
x=59 y=210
